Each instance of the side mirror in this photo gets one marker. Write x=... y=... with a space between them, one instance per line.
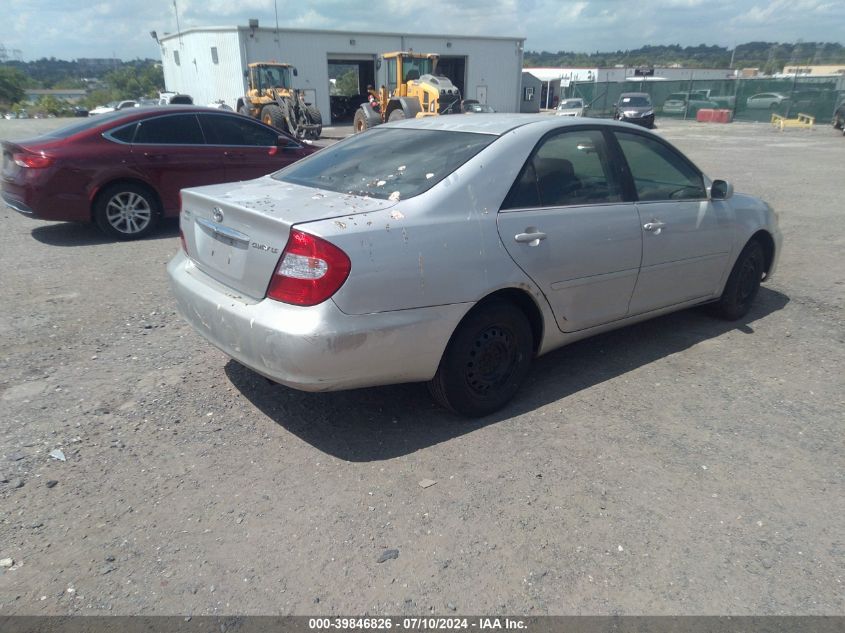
x=285 y=142
x=246 y=73
x=295 y=72
x=378 y=63
x=721 y=190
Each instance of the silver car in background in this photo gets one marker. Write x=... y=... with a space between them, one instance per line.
x=571 y=107
x=453 y=250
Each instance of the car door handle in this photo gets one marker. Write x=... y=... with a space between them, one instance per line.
x=233 y=155
x=524 y=238
x=654 y=225
x=152 y=156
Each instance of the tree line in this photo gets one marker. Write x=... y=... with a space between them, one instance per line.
x=769 y=57
x=105 y=83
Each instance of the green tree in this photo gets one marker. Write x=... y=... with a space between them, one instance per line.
x=51 y=105
x=11 y=85
x=131 y=82
x=347 y=84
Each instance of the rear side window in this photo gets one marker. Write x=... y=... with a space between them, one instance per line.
x=659 y=172
x=221 y=129
x=175 y=129
x=124 y=134
x=570 y=168
x=385 y=163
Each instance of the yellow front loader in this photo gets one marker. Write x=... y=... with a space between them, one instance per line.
x=413 y=89
x=271 y=98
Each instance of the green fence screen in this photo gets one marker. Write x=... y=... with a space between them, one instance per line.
x=749 y=99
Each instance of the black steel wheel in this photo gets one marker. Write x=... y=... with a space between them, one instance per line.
x=486 y=360
x=743 y=283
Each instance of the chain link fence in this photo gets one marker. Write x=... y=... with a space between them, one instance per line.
x=748 y=99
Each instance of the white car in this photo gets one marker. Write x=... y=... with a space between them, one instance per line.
x=765 y=101
x=571 y=107
x=453 y=250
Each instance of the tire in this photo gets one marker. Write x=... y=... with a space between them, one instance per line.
x=127 y=211
x=743 y=283
x=486 y=360
x=273 y=115
x=360 y=123
x=837 y=123
x=243 y=110
x=397 y=115
x=314 y=117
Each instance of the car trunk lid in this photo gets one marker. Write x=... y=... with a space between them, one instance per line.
x=236 y=232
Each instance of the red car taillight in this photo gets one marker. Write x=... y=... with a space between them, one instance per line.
x=32 y=161
x=310 y=270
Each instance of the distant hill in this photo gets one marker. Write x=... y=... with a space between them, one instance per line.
x=60 y=73
x=770 y=57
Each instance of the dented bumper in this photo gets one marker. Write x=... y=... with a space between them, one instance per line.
x=318 y=348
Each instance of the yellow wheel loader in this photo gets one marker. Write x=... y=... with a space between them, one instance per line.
x=272 y=99
x=413 y=90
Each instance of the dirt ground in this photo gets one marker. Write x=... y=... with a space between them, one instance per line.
x=681 y=466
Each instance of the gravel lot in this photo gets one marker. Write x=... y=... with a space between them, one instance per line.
x=681 y=466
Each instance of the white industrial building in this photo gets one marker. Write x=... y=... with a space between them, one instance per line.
x=209 y=63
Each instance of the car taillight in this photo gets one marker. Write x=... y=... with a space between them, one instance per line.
x=32 y=161
x=310 y=270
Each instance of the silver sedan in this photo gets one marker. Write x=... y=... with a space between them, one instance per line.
x=453 y=250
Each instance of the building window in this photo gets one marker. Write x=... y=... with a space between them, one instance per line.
x=176 y=57
x=214 y=58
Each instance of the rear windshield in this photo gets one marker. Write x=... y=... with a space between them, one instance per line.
x=85 y=124
x=385 y=163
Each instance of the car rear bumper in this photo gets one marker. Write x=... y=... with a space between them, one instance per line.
x=17 y=205
x=316 y=348
x=35 y=196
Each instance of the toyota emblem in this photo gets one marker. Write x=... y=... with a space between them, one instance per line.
x=217 y=214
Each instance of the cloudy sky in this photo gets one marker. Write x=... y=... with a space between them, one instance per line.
x=68 y=30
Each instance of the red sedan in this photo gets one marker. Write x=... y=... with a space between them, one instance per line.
x=124 y=170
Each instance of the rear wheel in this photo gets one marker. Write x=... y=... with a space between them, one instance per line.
x=486 y=360
x=126 y=211
x=273 y=115
x=314 y=118
x=397 y=115
x=360 y=122
x=743 y=283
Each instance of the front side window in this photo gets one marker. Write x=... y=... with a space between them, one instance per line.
x=415 y=68
x=570 y=168
x=659 y=172
x=387 y=163
x=221 y=129
x=177 y=129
